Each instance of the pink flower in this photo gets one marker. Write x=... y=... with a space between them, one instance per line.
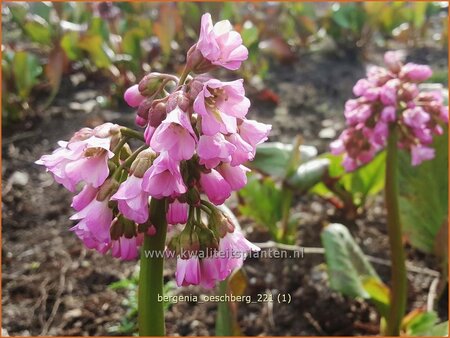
x=188 y=271
x=175 y=135
x=358 y=115
x=361 y=87
x=388 y=93
x=420 y=153
x=214 y=149
x=220 y=44
x=177 y=213
x=244 y=151
x=254 y=132
x=148 y=134
x=86 y=195
x=164 y=179
x=95 y=221
x=79 y=160
x=416 y=72
x=234 y=247
x=126 y=248
x=215 y=187
x=219 y=104
x=388 y=114
x=393 y=60
x=132 y=200
x=235 y=176
x=337 y=147
x=415 y=117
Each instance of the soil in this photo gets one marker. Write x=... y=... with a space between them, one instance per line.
x=52 y=285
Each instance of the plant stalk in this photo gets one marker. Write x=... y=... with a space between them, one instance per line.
x=151 y=309
x=398 y=268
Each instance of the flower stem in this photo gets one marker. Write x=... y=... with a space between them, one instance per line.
x=184 y=75
x=132 y=133
x=151 y=310
x=398 y=269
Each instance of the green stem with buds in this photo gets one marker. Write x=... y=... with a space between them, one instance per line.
x=151 y=310
x=398 y=269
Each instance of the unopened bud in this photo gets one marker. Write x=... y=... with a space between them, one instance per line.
x=142 y=162
x=196 y=62
x=107 y=189
x=129 y=227
x=178 y=99
x=144 y=107
x=196 y=86
x=125 y=152
x=150 y=84
x=157 y=114
x=140 y=121
x=116 y=230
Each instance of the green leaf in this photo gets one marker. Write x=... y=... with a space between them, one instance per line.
x=421 y=323
x=379 y=294
x=26 y=70
x=423 y=196
x=365 y=181
x=42 y=9
x=272 y=158
x=263 y=202
x=249 y=34
x=132 y=42
x=69 y=43
x=97 y=50
x=308 y=174
x=38 y=31
x=346 y=264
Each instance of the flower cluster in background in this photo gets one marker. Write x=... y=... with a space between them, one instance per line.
x=197 y=140
x=391 y=98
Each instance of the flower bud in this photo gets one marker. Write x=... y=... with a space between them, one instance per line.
x=116 y=230
x=107 y=189
x=141 y=122
x=151 y=83
x=157 y=114
x=142 y=162
x=125 y=152
x=129 y=227
x=178 y=99
x=196 y=86
x=207 y=240
x=196 y=62
x=144 y=107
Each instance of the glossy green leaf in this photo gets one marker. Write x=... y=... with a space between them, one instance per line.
x=272 y=158
x=346 y=264
x=308 y=174
x=424 y=196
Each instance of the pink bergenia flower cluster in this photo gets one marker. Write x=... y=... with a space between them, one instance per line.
x=391 y=98
x=197 y=141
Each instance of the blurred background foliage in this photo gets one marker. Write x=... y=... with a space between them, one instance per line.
x=114 y=44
